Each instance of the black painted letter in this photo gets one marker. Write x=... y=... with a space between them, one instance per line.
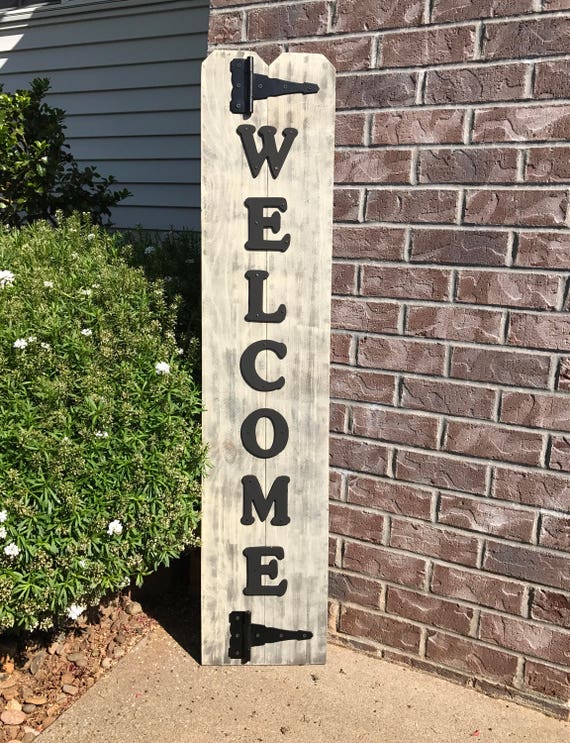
x=280 y=433
x=255 y=311
x=249 y=372
x=256 y=570
x=257 y=222
x=268 y=150
x=277 y=498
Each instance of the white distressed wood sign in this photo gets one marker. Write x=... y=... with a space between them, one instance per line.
x=267 y=175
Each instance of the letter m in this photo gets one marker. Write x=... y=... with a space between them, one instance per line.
x=277 y=498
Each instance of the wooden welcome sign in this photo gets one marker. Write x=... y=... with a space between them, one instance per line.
x=267 y=173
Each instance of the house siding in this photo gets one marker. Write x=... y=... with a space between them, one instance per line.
x=127 y=75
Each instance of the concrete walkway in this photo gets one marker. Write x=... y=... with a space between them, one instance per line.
x=159 y=694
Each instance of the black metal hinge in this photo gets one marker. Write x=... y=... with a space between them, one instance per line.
x=244 y=635
x=248 y=87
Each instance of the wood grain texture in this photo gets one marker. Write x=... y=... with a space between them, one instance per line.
x=300 y=279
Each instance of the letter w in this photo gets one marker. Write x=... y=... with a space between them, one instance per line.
x=269 y=151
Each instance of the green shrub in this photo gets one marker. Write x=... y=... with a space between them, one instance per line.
x=100 y=446
x=38 y=174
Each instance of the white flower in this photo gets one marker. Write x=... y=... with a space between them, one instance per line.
x=82 y=564
x=3 y=516
x=149 y=250
x=101 y=434
x=3 y=532
x=6 y=278
x=75 y=256
x=86 y=292
x=87 y=332
x=95 y=286
x=161 y=367
x=115 y=527
x=91 y=236
x=45 y=346
x=31 y=339
x=180 y=351
x=12 y=550
x=21 y=343
x=48 y=284
x=75 y=611
x=125 y=582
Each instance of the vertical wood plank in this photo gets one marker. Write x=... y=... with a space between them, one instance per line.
x=300 y=279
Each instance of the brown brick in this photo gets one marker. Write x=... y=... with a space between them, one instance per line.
x=346 y=204
x=336 y=480
x=419 y=205
x=372 y=166
x=555 y=532
x=349 y=129
x=423 y=46
x=366 y=241
x=225 y=27
x=478 y=588
x=502 y=367
x=531 y=639
x=362 y=456
x=460 y=10
x=552 y=79
x=563 y=381
x=287 y=21
x=536 y=208
x=384 y=563
x=468 y=166
x=552 y=682
x=477 y=514
x=460 y=247
x=526 y=38
x=399 y=354
x=509 y=289
x=390 y=496
x=522 y=123
x=493 y=442
x=429 y=540
x=455 y=323
x=365 y=315
x=376 y=90
x=267 y=52
x=539 y=331
x=344 y=278
x=340 y=348
x=380 y=628
x=354 y=384
x=395 y=426
x=332 y=551
x=548 y=165
x=532 y=488
x=369 y=15
x=356 y=523
x=528 y=564
x=543 y=250
x=536 y=411
x=405 y=282
x=354 y=589
x=471 y=657
x=551 y=607
x=441 y=472
x=346 y=54
x=429 y=610
x=560 y=453
x=338 y=416
x=441 y=396
x=500 y=83
x=418 y=127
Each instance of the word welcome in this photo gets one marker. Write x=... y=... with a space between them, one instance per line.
x=258 y=568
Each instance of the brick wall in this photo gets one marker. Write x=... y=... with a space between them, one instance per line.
x=450 y=412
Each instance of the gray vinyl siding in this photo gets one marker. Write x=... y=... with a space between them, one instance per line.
x=127 y=73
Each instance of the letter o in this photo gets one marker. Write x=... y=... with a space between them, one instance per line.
x=280 y=433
